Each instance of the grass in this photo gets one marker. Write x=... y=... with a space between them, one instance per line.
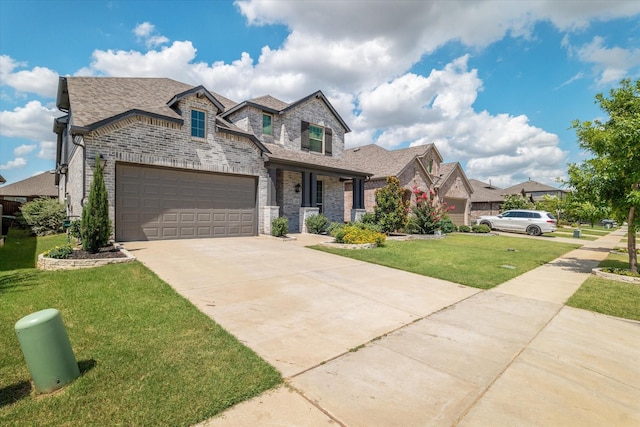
x=146 y=355
x=480 y=261
x=610 y=297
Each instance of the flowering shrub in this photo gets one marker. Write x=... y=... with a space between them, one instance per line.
x=428 y=214
x=59 y=252
x=358 y=233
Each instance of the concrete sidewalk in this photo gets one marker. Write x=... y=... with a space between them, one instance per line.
x=513 y=355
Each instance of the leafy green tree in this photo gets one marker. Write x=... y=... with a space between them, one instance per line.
x=554 y=204
x=587 y=212
x=44 y=215
x=612 y=175
x=516 y=201
x=391 y=210
x=96 y=226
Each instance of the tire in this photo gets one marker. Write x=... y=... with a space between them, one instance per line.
x=487 y=223
x=534 y=230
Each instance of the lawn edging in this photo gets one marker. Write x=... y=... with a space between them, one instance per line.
x=616 y=277
x=54 y=264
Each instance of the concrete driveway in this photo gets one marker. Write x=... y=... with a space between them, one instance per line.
x=296 y=307
x=423 y=351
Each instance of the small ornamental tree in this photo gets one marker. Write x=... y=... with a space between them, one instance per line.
x=391 y=210
x=612 y=175
x=95 y=228
x=428 y=213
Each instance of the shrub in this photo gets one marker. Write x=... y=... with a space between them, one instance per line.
x=95 y=227
x=481 y=228
x=74 y=228
x=368 y=218
x=464 y=229
x=391 y=208
x=59 y=252
x=357 y=234
x=280 y=227
x=333 y=227
x=44 y=215
x=317 y=224
x=446 y=225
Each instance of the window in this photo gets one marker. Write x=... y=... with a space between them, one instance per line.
x=197 y=123
x=431 y=166
x=319 y=196
x=315 y=138
x=267 y=125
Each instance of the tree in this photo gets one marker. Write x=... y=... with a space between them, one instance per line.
x=428 y=214
x=516 y=201
x=391 y=210
x=554 y=204
x=96 y=226
x=612 y=175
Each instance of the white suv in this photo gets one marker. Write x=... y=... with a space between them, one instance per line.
x=531 y=222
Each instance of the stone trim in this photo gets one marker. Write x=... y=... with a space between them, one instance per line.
x=53 y=264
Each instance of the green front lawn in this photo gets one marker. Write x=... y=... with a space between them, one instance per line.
x=147 y=356
x=481 y=261
x=609 y=296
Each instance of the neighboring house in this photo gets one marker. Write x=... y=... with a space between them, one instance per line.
x=2 y=180
x=486 y=199
x=184 y=162
x=534 y=190
x=419 y=167
x=14 y=195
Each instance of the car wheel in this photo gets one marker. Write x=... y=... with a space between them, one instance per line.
x=487 y=223
x=534 y=230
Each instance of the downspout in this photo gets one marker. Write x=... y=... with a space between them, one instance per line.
x=84 y=167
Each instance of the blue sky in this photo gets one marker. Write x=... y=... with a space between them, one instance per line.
x=494 y=84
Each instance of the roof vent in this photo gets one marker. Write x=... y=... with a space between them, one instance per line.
x=356 y=149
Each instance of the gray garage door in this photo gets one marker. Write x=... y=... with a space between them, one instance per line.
x=458 y=213
x=158 y=203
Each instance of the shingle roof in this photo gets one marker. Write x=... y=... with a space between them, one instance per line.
x=278 y=154
x=270 y=102
x=381 y=162
x=38 y=185
x=529 y=186
x=483 y=192
x=95 y=99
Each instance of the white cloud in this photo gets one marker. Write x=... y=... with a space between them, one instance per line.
x=34 y=121
x=610 y=64
x=145 y=32
x=47 y=150
x=18 y=162
x=39 y=80
x=24 y=149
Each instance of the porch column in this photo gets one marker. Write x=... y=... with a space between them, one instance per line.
x=271 y=210
x=309 y=189
x=358 y=199
x=309 y=198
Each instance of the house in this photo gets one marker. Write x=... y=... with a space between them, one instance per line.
x=15 y=194
x=534 y=190
x=419 y=167
x=2 y=180
x=486 y=199
x=181 y=161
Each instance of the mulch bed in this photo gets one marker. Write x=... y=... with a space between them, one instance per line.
x=106 y=252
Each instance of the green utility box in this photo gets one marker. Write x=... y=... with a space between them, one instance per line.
x=577 y=233
x=47 y=350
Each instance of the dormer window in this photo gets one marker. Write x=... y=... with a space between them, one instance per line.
x=316 y=139
x=198 y=123
x=267 y=124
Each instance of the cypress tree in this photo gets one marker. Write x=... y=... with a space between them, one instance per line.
x=96 y=226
